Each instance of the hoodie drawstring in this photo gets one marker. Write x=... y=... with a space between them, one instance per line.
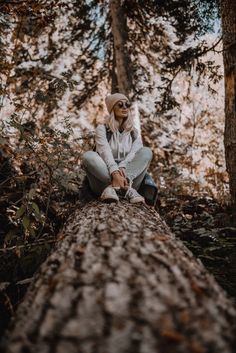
x=118 y=139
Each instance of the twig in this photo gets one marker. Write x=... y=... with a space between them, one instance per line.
x=40 y=242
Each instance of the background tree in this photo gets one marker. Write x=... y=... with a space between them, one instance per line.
x=122 y=63
x=228 y=15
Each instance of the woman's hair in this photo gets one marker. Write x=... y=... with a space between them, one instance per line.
x=113 y=124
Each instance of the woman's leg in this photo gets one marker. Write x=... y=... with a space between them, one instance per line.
x=138 y=180
x=137 y=168
x=96 y=171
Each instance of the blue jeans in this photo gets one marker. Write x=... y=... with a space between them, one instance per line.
x=99 y=177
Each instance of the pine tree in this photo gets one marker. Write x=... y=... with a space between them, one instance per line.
x=228 y=14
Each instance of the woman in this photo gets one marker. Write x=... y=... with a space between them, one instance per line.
x=120 y=162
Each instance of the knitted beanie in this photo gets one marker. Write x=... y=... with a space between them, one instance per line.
x=112 y=99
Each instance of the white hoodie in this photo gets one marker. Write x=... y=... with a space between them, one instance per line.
x=120 y=150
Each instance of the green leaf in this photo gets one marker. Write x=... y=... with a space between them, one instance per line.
x=36 y=210
x=26 y=222
x=3 y=141
x=10 y=235
x=20 y=211
x=31 y=194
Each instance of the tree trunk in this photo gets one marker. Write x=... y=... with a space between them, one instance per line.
x=119 y=281
x=228 y=15
x=114 y=80
x=120 y=38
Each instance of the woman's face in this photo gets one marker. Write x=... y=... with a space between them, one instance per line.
x=121 y=109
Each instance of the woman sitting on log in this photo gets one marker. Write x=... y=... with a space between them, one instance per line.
x=120 y=162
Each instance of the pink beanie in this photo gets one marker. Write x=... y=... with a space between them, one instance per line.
x=112 y=99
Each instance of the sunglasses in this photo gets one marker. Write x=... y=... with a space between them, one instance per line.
x=123 y=104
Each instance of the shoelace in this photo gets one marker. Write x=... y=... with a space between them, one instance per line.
x=130 y=183
x=131 y=193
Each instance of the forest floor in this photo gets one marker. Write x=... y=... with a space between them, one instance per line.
x=205 y=226
x=208 y=229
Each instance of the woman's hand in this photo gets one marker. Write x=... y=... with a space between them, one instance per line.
x=118 y=180
x=122 y=171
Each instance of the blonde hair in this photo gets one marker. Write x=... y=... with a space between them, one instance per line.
x=113 y=124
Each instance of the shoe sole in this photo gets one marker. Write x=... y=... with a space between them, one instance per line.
x=109 y=200
x=138 y=201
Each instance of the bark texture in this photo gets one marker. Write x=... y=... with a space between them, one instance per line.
x=228 y=15
x=120 y=36
x=119 y=281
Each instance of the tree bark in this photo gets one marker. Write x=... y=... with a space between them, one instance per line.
x=120 y=38
x=119 y=281
x=114 y=80
x=228 y=16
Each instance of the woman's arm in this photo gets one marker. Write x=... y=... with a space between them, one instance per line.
x=137 y=144
x=103 y=148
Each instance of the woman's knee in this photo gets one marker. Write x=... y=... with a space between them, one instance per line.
x=94 y=164
x=88 y=158
x=146 y=153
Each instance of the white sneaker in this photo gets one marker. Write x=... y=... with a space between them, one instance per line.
x=109 y=194
x=133 y=196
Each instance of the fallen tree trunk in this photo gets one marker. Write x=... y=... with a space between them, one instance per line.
x=119 y=281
